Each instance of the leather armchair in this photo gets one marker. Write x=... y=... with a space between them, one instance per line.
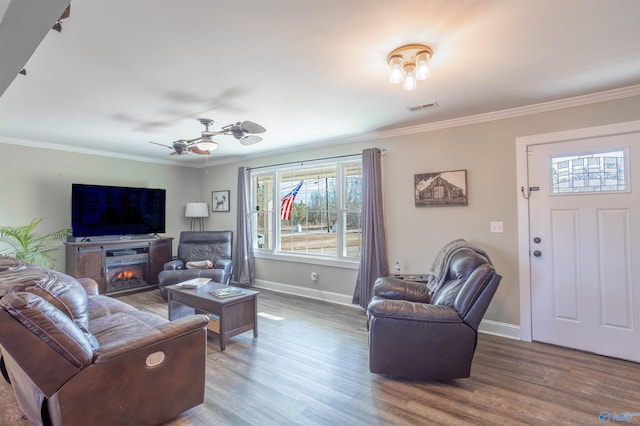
x=419 y=334
x=75 y=357
x=198 y=246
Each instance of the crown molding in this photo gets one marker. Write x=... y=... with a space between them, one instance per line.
x=86 y=151
x=609 y=95
x=593 y=98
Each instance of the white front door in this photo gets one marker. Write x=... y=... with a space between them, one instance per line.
x=584 y=215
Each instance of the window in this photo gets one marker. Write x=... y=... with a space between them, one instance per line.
x=310 y=210
x=598 y=172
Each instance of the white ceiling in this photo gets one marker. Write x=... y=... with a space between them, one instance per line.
x=125 y=72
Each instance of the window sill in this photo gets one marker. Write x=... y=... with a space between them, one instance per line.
x=308 y=259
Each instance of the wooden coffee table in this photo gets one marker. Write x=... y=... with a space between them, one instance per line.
x=235 y=314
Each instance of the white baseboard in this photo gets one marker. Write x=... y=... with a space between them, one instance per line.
x=312 y=293
x=502 y=329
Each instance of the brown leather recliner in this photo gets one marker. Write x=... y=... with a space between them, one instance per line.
x=419 y=334
x=198 y=246
x=75 y=357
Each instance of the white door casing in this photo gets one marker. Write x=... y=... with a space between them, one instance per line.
x=584 y=289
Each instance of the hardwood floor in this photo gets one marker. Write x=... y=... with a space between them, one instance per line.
x=309 y=366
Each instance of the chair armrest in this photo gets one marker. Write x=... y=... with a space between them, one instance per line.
x=399 y=289
x=90 y=286
x=162 y=333
x=174 y=264
x=225 y=264
x=402 y=309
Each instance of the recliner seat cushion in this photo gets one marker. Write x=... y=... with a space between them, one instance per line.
x=100 y=306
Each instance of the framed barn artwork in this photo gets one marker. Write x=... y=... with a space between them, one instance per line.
x=441 y=189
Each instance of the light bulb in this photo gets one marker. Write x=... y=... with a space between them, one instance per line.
x=395 y=69
x=207 y=145
x=409 y=77
x=422 y=66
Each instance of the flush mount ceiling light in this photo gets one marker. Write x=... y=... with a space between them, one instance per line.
x=409 y=63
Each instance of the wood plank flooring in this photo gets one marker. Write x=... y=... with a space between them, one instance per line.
x=309 y=366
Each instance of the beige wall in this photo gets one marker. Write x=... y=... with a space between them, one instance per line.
x=37 y=183
x=414 y=235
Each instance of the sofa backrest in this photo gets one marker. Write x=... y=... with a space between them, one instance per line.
x=62 y=291
x=205 y=245
x=50 y=325
x=468 y=277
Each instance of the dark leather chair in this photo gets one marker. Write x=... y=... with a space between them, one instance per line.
x=419 y=334
x=75 y=357
x=198 y=246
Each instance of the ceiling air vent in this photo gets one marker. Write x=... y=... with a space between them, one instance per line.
x=425 y=106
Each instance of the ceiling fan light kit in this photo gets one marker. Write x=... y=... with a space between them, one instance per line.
x=408 y=64
x=207 y=144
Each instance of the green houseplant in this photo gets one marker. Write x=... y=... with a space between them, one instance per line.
x=24 y=243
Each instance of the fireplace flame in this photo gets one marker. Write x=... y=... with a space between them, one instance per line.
x=124 y=275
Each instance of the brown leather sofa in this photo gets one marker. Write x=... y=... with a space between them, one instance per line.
x=198 y=246
x=77 y=358
x=417 y=333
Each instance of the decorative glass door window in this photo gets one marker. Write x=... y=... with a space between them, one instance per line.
x=595 y=172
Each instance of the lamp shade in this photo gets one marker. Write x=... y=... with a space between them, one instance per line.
x=197 y=210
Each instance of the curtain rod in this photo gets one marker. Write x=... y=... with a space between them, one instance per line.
x=301 y=162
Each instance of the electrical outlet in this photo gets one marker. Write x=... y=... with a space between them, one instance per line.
x=497 y=227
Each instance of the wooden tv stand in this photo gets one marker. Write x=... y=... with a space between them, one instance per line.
x=90 y=259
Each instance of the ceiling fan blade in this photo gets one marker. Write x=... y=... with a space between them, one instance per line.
x=249 y=139
x=161 y=144
x=251 y=127
x=197 y=150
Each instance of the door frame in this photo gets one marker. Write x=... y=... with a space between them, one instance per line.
x=522 y=174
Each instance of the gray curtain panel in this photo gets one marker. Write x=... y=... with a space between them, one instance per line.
x=373 y=259
x=243 y=262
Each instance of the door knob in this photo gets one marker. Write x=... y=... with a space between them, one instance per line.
x=537 y=240
x=537 y=253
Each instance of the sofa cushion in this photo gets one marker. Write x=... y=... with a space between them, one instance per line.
x=11 y=263
x=51 y=325
x=101 y=306
x=121 y=327
x=11 y=276
x=64 y=292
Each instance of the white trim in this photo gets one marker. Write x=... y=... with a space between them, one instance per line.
x=86 y=151
x=502 y=329
x=495 y=328
x=307 y=259
x=311 y=293
x=522 y=144
x=609 y=95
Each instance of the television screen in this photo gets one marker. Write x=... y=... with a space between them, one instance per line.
x=98 y=210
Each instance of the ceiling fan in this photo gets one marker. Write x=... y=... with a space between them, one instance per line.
x=243 y=131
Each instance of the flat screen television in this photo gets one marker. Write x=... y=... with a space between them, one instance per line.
x=98 y=210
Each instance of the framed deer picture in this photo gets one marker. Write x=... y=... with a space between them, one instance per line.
x=220 y=201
